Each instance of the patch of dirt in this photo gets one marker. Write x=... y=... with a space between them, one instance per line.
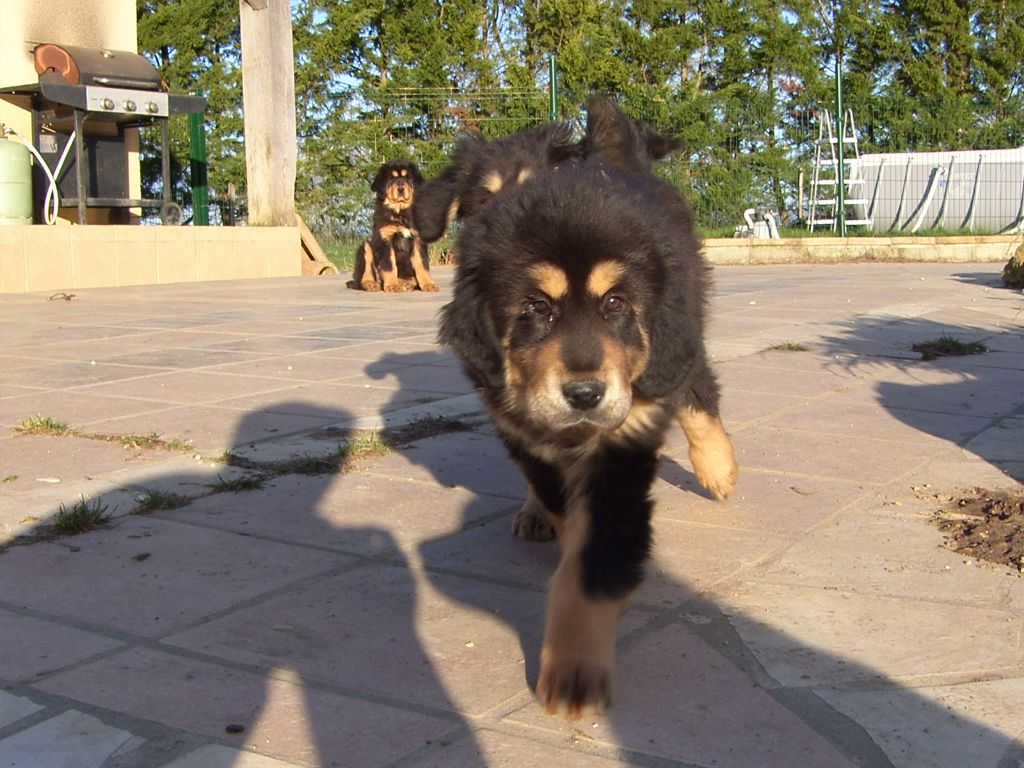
x=986 y=525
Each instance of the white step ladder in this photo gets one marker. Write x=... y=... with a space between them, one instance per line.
x=823 y=208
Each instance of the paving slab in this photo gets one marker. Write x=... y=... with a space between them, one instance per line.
x=14 y=708
x=73 y=739
x=343 y=512
x=280 y=717
x=503 y=750
x=702 y=698
x=390 y=631
x=217 y=756
x=880 y=553
x=147 y=576
x=973 y=727
x=34 y=647
x=811 y=636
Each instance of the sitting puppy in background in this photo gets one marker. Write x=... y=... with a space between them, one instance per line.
x=578 y=311
x=395 y=258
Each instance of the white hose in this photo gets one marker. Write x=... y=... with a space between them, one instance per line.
x=51 y=203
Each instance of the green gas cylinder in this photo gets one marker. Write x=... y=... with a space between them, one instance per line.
x=15 y=183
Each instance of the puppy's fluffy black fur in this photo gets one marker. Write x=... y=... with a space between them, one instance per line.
x=395 y=258
x=578 y=311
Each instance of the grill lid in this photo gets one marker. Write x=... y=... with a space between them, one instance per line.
x=97 y=66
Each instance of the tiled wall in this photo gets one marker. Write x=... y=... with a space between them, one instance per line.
x=42 y=258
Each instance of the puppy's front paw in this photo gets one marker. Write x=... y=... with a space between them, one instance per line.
x=370 y=285
x=715 y=467
x=711 y=452
x=429 y=286
x=573 y=687
x=577 y=659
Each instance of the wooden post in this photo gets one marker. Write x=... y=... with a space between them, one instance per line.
x=268 y=99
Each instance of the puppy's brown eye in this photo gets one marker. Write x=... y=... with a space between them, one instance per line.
x=613 y=304
x=537 y=307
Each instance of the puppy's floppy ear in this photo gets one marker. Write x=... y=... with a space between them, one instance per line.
x=658 y=145
x=560 y=144
x=623 y=142
x=467 y=328
x=380 y=180
x=436 y=203
x=674 y=344
x=415 y=175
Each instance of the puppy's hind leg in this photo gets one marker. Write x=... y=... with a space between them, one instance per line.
x=421 y=266
x=362 y=276
x=388 y=266
x=533 y=522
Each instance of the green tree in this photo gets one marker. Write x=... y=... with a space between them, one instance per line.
x=740 y=82
x=195 y=45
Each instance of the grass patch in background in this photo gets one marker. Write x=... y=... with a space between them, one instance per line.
x=342 y=251
x=361 y=446
x=238 y=484
x=42 y=425
x=947 y=346
x=47 y=425
x=81 y=517
x=154 y=501
x=788 y=346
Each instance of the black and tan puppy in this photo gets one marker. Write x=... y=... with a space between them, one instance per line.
x=578 y=310
x=395 y=258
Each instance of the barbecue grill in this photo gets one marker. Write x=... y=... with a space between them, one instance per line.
x=111 y=91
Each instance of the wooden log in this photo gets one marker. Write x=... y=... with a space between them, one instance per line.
x=314 y=258
x=268 y=101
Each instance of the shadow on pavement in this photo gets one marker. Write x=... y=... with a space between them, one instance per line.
x=267 y=618
x=975 y=401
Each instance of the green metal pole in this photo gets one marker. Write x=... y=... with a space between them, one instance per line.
x=553 y=86
x=840 y=126
x=197 y=155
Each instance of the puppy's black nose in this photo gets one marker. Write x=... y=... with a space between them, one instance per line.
x=583 y=394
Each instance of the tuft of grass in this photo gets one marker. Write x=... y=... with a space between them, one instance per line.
x=42 y=425
x=429 y=426
x=364 y=446
x=238 y=484
x=46 y=425
x=154 y=500
x=81 y=517
x=788 y=346
x=151 y=441
x=10 y=479
x=312 y=465
x=948 y=346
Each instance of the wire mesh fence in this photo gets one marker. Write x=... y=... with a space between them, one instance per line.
x=754 y=157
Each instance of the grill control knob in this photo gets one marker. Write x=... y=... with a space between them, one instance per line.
x=107 y=103
x=128 y=106
x=152 y=108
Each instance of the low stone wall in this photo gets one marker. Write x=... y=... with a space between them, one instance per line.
x=828 y=250
x=59 y=258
